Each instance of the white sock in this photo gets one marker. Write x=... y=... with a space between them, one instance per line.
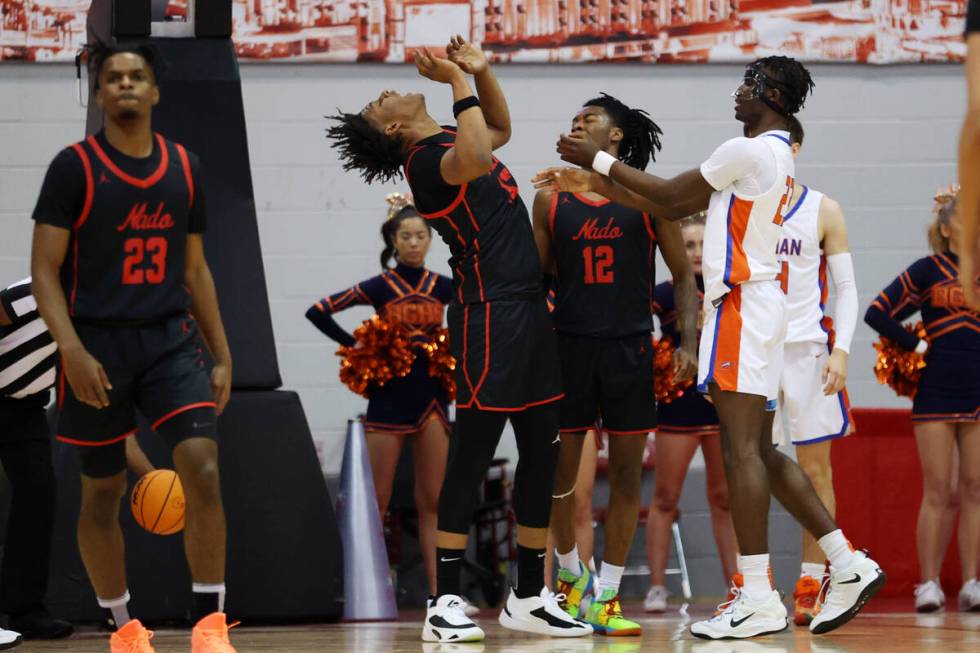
x=570 y=561
x=812 y=569
x=755 y=575
x=216 y=588
x=609 y=577
x=118 y=607
x=837 y=549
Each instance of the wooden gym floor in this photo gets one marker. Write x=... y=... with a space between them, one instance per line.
x=879 y=630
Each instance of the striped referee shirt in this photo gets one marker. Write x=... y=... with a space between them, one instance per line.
x=27 y=350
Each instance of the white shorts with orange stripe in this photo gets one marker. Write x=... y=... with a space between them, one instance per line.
x=805 y=412
x=742 y=341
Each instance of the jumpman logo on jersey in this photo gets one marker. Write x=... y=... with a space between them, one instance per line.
x=103 y=179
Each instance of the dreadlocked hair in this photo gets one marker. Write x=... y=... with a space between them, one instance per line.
x=641 y=136
x=791 y=78
x=100 y=52
x=365 y=149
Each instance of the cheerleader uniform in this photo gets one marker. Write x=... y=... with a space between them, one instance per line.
x=949 y=389
x=691 y=413
x=415 y=298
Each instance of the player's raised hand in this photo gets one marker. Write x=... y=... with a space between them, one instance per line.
x=221 y=387
x=434 y=68
x=569 y=180
x=577 y=149
x=834 y=374
x=466 y=55
x=685 y=364
x=86 y=376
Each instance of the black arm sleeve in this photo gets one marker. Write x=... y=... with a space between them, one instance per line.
x=901 y=299
x=62 y=194
x=329 y=327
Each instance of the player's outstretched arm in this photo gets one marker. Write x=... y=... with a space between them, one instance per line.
x=472 y=60
x=833 y=235
x=671 y=243
x=204 y=306
x=472 y=154
x=679 y=197
x=577 y=180
x=87 y=378
x=969 y=172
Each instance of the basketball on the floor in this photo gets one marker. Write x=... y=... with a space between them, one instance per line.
x=158 y=502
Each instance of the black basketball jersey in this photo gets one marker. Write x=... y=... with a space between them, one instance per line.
x=484 y=222
x=604 y=260
x=125 y=260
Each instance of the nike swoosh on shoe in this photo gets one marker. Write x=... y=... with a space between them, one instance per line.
x=440 y=622
x=736 y=623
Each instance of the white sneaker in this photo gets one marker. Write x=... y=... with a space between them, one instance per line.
x=656 y=599
x=9 y=639
x=445 y=621
x=744 y=617
x=929 y=596
x=541 y=615
x=970 y=596
x=850 y=588
x=469 y=609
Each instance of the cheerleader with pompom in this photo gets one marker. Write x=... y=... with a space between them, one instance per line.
x=407 y=396
x=685 y=421
x=946 y=404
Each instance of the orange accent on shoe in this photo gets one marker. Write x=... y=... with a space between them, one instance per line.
x=737 y=581
x=806 y=597
x=131 y=638
x=210 y=635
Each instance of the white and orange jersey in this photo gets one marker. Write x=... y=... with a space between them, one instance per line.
x=753 y=179
x=806 y=283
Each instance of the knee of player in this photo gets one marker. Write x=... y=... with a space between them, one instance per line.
x=718 y=498
x=665 y=499
x=203 y=481
x=819 y=472
x=969 y=490
x=100 y=503
x=625 y=480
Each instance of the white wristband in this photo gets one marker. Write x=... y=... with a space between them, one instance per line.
x=921 y=347
x=603 y=162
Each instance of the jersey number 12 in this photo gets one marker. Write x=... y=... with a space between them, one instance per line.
x=598 y=267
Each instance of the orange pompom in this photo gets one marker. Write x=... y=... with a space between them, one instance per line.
x=664 y=387
x=382 y=352
x=900 y=368
x=442 y=365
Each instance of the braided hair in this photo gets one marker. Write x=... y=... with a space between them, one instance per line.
x=788 y=76
x=362 y=147
x=641 y=136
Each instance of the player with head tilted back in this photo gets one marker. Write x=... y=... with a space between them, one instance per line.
x=746 y=185
x=602 y=255
x=122 y=283
x=500 y=331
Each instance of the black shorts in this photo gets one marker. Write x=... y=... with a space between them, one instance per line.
x=403 y=405
x=689 y=414
x=506 y=356
x=609 y=379
x=160 y=369
x=949 y=388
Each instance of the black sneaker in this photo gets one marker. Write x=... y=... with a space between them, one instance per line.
x=40 y=625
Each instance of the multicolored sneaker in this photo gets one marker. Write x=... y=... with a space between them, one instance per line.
x=605 y=615
x=806 y=600
x=210 y=635
x=131 y=638
x=574 y=588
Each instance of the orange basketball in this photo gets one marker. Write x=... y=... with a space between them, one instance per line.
x=158 y=502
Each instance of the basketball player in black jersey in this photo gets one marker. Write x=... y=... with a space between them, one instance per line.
x=118 y=263
x=602 y=255
x=500 y=331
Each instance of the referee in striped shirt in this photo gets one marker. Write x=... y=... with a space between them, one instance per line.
x=27 y=359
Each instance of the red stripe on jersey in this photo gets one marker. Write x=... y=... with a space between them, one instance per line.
x=552 y=212
x=188 y=175
x=585 y=200
x=649 y=225
x=738 y=223
x=133 y=181
x=729 y=345
x=89 y=186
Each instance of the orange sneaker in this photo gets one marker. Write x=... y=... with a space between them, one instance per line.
x=131 y=638
x=805 y=600
x=210 y=635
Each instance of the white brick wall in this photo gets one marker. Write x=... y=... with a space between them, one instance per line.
x=880 y=140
